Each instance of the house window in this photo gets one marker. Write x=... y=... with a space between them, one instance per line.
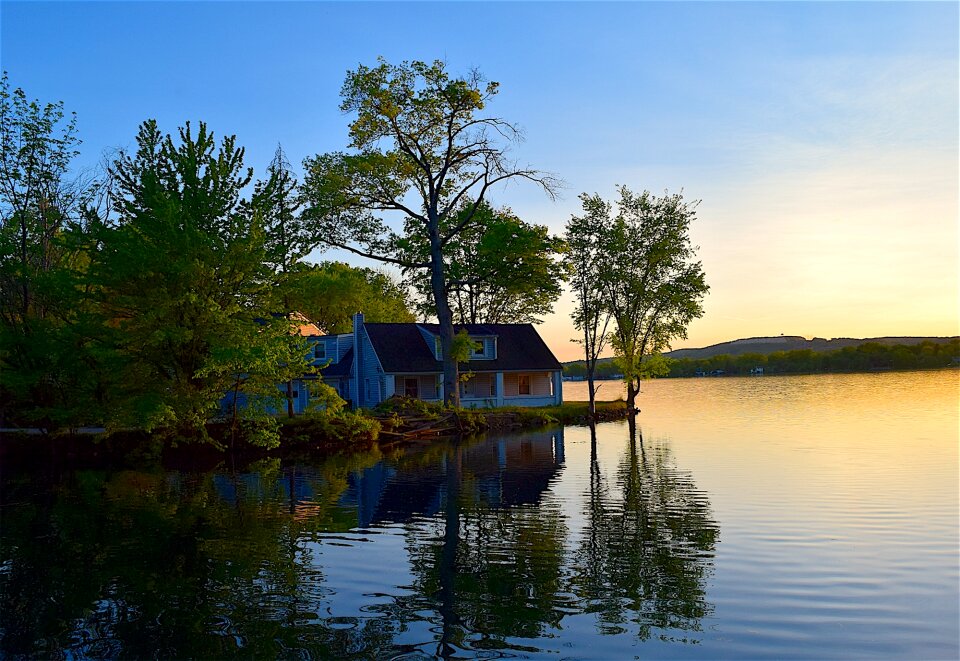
x=411 y=388
x=523 y=384
x=478 y=350
x=320 y=351
x=437 y=349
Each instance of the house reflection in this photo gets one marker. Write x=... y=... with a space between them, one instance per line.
x=501 y=472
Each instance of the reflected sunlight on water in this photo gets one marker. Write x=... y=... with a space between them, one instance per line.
x=774 y=517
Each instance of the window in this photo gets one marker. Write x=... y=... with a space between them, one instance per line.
x=437 y=350
x=478 y=350
x=320 y=351
x=523 y=384
x=411 y=387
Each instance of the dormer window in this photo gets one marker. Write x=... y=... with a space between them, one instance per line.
x=479 y=350
x=320 y=351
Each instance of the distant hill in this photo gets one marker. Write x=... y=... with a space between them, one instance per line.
x=767 y=345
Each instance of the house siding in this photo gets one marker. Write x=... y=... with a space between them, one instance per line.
x=431 y=341
x=370 y=373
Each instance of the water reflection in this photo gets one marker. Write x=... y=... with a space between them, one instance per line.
x=240 y=563
x=646 y=553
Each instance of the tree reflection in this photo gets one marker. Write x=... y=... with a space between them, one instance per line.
x=218 y=565
x=494 y=562
x=647 y=548
x=136 y=564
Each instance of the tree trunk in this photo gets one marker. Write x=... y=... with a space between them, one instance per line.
x=233 y=419
x=451 y=371
x=289 y=399
x=591 y=364
x=633 y=389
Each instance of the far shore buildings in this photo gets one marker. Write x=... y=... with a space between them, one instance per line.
x=512 y=366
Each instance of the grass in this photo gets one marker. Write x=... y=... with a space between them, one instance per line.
x=566 y=413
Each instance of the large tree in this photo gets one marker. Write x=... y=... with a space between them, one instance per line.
x=591 y=315
x=423 y=146
x=182 y=281
x=287 y=239
x=44 y=347
x=653 y=286
x=499 y=269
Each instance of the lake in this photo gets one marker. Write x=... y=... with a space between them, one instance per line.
x=768 y=517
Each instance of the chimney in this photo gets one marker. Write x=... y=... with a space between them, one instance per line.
x=357 y=322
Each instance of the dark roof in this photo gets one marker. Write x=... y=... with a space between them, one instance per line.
x=402 y=348
x=342 y=368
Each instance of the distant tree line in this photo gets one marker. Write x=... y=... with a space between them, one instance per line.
x=866 y=357
x=606 y=369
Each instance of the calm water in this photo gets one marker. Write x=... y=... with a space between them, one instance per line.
x=773 y=517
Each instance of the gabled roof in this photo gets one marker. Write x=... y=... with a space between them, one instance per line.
x=401 y=348
x=342 y=368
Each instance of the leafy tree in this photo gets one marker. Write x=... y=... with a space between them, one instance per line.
x=652 y=286
x=181 y=277
x=287 y=239
x=45 y=351
x=585 y=259
x=499 y=268
x=422 y=149
x=330 y=293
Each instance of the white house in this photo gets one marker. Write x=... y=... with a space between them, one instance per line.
x=512 y=366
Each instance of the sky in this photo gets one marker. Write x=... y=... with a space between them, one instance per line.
x=820 y=138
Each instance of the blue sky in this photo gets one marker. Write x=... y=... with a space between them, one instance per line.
x=822 y=138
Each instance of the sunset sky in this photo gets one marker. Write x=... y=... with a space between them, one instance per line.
x=821 y=138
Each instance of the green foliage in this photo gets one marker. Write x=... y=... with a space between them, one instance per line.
x=638 y=267
x=584 y=259
x=409 y=407
x=331 y=292
x=499 y=268
x=463 y=346
x=320 y=430
x=48 y=352
x=422 y=148
x=182 y=283
x=287 y=238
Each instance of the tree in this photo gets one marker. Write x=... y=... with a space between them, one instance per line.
x=330 y=293
x=286 y=240
x=585 y=259
x=499 y=269
x=44 y=350
x=181 y=277
x=652 y=286
x=422 y=149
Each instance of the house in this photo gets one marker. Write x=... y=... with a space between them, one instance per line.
x=510 y=366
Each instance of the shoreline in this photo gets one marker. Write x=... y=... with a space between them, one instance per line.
x=301 y=438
